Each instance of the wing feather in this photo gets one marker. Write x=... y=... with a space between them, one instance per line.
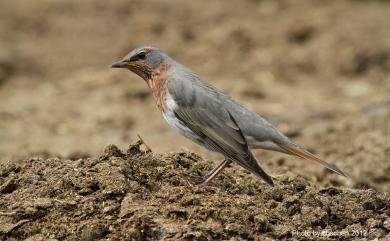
x=220 y=133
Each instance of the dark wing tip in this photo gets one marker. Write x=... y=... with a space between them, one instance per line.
x=269 y=181
x=253 y=164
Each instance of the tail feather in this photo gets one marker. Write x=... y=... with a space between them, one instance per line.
x=300 y=152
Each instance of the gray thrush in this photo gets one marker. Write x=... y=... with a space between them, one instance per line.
x=200 y=112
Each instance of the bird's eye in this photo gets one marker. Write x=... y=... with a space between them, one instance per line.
x=141 y=55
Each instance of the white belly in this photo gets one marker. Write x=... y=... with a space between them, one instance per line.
x=175 y=123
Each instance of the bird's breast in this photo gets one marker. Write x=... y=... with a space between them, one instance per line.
x=157 y=83
x=159 y=92
x=175 y=123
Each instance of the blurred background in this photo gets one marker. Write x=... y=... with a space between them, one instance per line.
x=318 y=70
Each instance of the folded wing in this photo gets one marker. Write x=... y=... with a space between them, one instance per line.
x=220 y=132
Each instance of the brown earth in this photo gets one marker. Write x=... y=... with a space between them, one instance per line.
x=140 y=195
x=318 y=70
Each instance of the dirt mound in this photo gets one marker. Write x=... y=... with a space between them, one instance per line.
x=139 y=195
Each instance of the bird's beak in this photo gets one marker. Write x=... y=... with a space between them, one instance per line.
x=118 y=64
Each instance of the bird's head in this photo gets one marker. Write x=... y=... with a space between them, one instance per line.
x=143 y=61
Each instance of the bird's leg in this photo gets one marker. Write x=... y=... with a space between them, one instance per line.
x=213 y=173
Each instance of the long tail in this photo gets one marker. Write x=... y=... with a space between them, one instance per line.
x=301 y=152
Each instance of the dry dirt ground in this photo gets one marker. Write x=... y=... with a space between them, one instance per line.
x=139 y=195
x=318 y=70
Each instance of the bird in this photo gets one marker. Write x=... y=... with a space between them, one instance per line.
x=208 y=117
